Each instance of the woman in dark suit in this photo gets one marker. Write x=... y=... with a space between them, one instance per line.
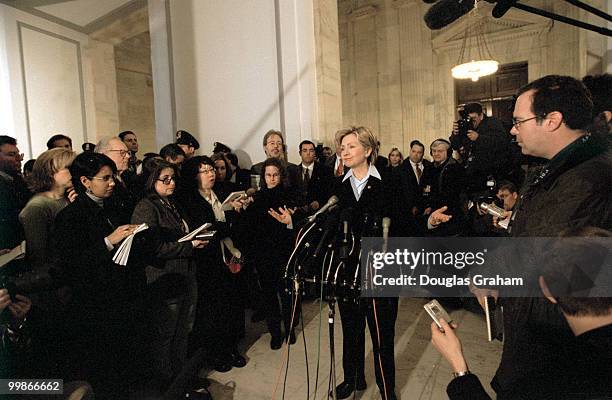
x=220 y=312
x=172 y=268
x=102 y=340
x=270 y=251
x=363 y=191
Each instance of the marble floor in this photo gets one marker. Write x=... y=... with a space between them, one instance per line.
x=421 y=373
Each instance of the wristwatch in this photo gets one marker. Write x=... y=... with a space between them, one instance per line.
x=461 y=373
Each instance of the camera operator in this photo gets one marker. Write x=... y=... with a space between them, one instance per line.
x=483 y=144
x=484 y=224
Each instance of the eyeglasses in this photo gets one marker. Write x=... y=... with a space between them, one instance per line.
x=517 y=122
x=105 y=178
x=123 y=153
x=206 y=170
x=167 y=180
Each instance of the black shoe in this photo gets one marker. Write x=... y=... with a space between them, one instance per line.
x=292 y=338
x=221 y=364
x=344 y=390
x=237 y=360
x=276 y=342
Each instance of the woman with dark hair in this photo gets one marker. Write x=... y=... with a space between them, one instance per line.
x=271 y=251
x=173 y=269
x=220 y=312
x=223 y=174
x=102 y=340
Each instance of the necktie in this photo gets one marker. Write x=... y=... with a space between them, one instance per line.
x=418 y=172
x=340 y=169
x=306 y=176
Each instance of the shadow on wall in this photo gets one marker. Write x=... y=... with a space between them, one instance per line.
x=258 y=129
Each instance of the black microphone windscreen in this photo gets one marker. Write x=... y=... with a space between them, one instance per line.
x=502 y=7
x=445 y=12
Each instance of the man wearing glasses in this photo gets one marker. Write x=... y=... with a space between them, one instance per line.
x=13 y=193
x=572 y=190
x=124 y=201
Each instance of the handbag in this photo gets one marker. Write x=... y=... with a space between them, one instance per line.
x=235 y=262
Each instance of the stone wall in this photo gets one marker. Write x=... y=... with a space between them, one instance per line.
x=135 y=90
x=396 y=72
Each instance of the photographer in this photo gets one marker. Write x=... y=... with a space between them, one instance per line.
x=13 y=336
x=483 y=145
x=485 y=224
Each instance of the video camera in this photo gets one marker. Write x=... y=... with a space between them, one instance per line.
x=465 y=124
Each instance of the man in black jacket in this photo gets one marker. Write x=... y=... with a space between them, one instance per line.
x=485 y=150
x=571 y=190
x=314 y=180
x=442 y=185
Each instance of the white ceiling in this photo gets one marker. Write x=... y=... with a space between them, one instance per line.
x=81 y=12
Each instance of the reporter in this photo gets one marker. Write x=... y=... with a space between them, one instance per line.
x=172 y=270
x=220 y=313
x=103 y=342
x=271 y=251
x=50 y=181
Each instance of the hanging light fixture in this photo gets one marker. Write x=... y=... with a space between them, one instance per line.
x=478 y=61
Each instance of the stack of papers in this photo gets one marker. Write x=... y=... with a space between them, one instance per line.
x=122 y=254
x=15 y=254
x=192 y=235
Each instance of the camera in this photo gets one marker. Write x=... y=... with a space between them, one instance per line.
x=464 y=123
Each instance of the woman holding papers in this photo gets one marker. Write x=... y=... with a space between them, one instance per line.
x=220 y=312
x=101 y=336
x=172 y=269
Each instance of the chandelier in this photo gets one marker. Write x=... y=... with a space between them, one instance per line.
x=475 y=60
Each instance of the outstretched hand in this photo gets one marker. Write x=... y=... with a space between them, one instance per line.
x=283 y=215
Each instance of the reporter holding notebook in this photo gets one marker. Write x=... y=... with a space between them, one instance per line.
x=171 y=272
x=220 y=311
x=101 y=338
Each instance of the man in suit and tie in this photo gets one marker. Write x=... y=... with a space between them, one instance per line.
x=314 y=179
x=408 y=203
x=415 y=167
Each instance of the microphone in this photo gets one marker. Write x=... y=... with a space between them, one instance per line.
x=445 y=12
x=329 y=229
x=344 y=250
x=330 y=203
x=386 y=222
x=502 y=7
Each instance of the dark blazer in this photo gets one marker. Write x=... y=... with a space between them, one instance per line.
x=319 y=186
x=331 y=162
x=446 y=183
x=167 y=227
x=99 y=286
x=374 y=201
x=243 y=178
x=267 y=240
